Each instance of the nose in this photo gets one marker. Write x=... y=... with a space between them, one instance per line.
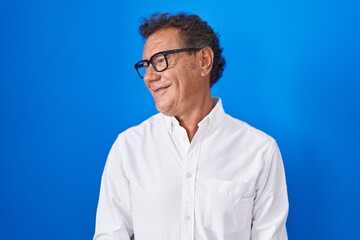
x=151 y=74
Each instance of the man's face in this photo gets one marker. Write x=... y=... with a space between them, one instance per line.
x=177 y=89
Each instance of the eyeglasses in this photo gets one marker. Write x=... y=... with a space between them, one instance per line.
x=159 y=61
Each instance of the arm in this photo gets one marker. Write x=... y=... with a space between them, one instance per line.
x=271 y=202
x=113 y=217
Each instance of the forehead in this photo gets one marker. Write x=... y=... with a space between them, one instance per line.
x=161 y=40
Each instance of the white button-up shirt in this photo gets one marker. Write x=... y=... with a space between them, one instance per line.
x=228 y=183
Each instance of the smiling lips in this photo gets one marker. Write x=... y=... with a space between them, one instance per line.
x=159 y=89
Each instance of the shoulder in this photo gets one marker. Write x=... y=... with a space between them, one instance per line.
x=247 y=132
x=261 y=147
x=147 y=127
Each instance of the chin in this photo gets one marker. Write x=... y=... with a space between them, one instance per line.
x=165 y=106
x=164 y=111
x=161 y=106
x=167 y=114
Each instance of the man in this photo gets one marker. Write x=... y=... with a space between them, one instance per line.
x=190 y=171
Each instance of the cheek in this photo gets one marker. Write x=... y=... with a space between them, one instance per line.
x=180 y=81
x=189 y=79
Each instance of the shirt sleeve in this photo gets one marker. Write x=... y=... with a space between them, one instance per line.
x=271 y=201
x=113 y=216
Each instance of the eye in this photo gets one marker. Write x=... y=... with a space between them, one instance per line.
x=159 y=60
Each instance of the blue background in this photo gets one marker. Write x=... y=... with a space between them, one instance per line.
x=68 y=87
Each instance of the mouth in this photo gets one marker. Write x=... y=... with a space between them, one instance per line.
x=160 y=89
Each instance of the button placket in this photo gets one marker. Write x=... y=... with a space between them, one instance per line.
x=189 y=181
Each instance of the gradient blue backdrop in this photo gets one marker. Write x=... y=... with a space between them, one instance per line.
x=68 y=87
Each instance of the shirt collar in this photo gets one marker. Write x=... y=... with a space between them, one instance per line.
x=212 y=120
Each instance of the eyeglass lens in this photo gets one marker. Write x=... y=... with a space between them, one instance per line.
x=158 y=61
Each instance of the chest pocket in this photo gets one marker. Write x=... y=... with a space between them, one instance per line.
x=228 y=206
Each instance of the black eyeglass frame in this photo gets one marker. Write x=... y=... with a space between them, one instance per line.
x=141 y=64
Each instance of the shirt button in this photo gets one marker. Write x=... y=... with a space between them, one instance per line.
x=187 y=218
x=188 y=175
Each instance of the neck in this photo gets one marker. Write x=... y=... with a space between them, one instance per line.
x=190 y=121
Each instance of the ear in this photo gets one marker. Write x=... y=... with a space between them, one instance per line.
x=206 y=61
